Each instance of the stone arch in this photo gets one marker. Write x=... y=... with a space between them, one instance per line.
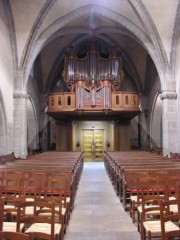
x=3 y=128
x=175 y=40
x=145 y=17
x=157 y=54
x=156 y=123
x=32 y=125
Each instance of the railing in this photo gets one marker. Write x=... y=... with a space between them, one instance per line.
x=67 y=102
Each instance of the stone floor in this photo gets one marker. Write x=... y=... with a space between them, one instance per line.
x=98 y=213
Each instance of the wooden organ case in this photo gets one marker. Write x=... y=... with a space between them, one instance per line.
x=93 y=82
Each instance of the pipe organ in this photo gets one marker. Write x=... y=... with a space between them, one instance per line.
x=93 y=82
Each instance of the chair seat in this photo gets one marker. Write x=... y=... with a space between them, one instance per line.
x=151 y=212
x=56 y=209
x=11 y=226
x=44 y=228
x=29 y=210
x=174 y=208
x=68 y=199
x=133 y=198
x=63 y=210
x=172 y=198
x=155 y=227
x=9 y=206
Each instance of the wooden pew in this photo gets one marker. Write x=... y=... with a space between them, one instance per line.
x=118 y=164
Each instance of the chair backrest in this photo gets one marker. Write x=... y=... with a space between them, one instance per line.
x=59 y=183
x=152 y=195
x=57 y=196
x=167 y=214
x=11 y=179
x=39 y=207
x=34 y=183
x=8 y=209
x=15 y=236
x=139 y=185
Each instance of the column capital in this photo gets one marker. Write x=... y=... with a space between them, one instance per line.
x=168 y=94
x=20 y=95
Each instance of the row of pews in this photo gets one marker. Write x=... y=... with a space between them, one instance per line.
x=136 y=174
x=122 y=167
x=36 y=177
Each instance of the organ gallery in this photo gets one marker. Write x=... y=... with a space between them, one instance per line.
x=93 y=81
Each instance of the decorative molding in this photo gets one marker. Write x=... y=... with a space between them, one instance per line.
x=168 y=95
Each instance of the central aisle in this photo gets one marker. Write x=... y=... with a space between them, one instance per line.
x=98 y=213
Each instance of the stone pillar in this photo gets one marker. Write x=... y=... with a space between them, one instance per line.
x=20 y=125
x=169 y=121
x=20 y=117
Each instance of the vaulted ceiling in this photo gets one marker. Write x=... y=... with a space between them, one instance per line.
x=45 y=29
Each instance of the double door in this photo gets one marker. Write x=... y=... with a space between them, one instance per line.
x=93 y=144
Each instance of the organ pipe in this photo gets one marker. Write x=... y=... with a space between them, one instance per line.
x=93 y=67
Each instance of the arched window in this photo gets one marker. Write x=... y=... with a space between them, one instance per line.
x=52 y=100
x=134 y=100
x=117 y=100
x=126 y=100
x=69 y=100
x=59 y=101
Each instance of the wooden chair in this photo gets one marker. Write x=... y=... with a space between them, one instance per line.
x=56 y=195
x=70 y=186
x=150 y=216
x=15 y=236
x=135 y=192
x=7 y=222
x=35 y=183
x=150 y=194
x=43 y=227
x=62 y=184
x=168 y=217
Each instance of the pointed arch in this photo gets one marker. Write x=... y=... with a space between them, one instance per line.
x=147 y=21
x=157 y=53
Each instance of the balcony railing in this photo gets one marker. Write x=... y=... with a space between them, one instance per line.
x=116 y=102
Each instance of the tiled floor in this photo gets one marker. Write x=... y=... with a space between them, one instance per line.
x=98 y=213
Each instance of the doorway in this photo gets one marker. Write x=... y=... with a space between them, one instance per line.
x=93 y=144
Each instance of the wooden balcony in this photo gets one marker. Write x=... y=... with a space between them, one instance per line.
x=118 y=105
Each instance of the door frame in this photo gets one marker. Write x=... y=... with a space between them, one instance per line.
x=93 y=151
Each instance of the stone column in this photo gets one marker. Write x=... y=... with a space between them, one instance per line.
x=169 y=121
x=20 y=117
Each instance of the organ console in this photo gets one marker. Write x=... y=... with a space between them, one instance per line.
x=93 y=82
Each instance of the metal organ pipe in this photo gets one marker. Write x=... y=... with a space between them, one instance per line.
x=92 y=51
x=115 y=65
x=106 y=97
x=79 y=97
x=93 y=77
x=71 y=65
x=115 y=69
